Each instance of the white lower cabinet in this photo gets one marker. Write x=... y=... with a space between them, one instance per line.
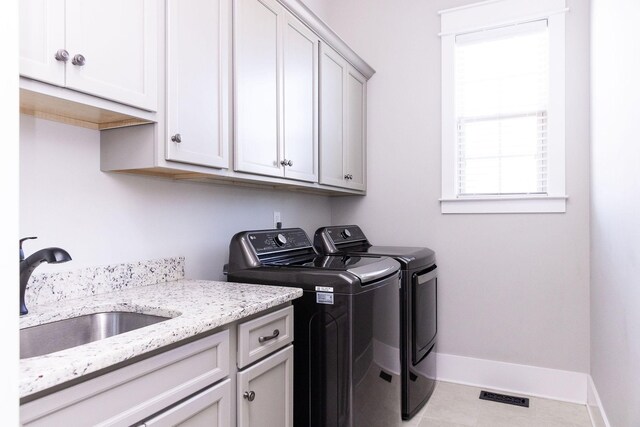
x=209 y=408
x=265 y=376
x=135 y=392
x=191 y=385
x=265 y=392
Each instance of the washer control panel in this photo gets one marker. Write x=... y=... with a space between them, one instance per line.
x=269 y=241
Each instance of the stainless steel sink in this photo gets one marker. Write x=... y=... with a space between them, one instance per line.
x=55 y=336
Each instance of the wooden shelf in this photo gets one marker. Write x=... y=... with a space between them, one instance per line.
x=73 y=113
x=243 y=180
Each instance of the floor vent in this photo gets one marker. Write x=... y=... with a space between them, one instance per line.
x=385 y=376
x=504 y=398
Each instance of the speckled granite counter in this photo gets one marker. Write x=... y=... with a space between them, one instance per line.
x=196 y=306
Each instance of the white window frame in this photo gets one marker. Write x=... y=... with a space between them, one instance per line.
x=487 y=15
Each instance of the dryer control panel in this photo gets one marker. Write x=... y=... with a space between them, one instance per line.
x=331 y=238
x=345 y=234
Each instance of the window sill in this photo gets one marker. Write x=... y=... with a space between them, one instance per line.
x=504 y=204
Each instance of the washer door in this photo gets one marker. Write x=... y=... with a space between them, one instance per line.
x=424 y=288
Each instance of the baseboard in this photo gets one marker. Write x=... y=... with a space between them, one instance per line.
x=594 y=406
x=548 y=383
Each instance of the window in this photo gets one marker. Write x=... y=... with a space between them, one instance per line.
x=503 y=107
x=501 y=89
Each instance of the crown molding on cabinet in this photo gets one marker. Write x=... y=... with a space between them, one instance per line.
x=325 y=32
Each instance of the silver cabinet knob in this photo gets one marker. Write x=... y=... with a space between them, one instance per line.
x=348 y=176
x=62 y=55
x=177 y=138
x=284 y=162
x=249 y=395
x=78 y=60
x=289 y=163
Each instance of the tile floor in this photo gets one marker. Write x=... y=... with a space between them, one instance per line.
x=455 y=405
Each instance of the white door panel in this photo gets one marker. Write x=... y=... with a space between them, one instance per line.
x=41 y=28
x=355 y=142
x=271 y=382
x=300 y=100
x=332 y=77
x=209 y=408
x=258 y=142
x=198 y=81
x=123 y=66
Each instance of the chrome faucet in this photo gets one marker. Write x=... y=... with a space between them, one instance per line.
x=50 y=255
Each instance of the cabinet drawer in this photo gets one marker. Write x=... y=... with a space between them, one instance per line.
x=129 y=394
x=264 y=335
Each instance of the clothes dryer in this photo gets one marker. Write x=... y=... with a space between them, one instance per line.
x=418 y=307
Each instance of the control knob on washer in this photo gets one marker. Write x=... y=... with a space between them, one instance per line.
x=280 y=240
x=346 y=233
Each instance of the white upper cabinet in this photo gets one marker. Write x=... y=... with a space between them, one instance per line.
x=276 y=92
x=300 y=100
x=107 y=48
x=198 y=81
x=355 y=147
x=119 y=42
x=257 y=83
x=42 y=40
x=342 y=122
x=252 y=94
x=332 y=115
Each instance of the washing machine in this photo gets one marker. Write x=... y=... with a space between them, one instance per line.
x=418 y=307
x=346 y=326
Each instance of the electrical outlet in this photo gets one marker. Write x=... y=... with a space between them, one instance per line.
x=276 y=219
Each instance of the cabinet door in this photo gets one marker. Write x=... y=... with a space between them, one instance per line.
x=137 y=391
x=41 y=36
x=119 y=42
x=258 y=82
x=209 y=408
x=198 y=55
x=271 y=382
x=300 y=77
x=333 y=70
x=354 y=148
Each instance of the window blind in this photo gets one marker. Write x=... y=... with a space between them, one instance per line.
x=501 y=95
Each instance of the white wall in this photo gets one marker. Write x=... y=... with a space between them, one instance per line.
x=103 y=218
x=615 y=209
x=513 y=288
x=9 y=223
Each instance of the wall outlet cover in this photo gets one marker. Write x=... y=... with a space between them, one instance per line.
x=276 y=219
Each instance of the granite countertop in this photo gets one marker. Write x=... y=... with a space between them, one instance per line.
x=196 y=306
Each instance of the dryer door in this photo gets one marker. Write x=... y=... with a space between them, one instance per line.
x=424 y=320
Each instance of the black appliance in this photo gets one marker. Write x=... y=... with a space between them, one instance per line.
x=418 y=310
x=346 y=326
